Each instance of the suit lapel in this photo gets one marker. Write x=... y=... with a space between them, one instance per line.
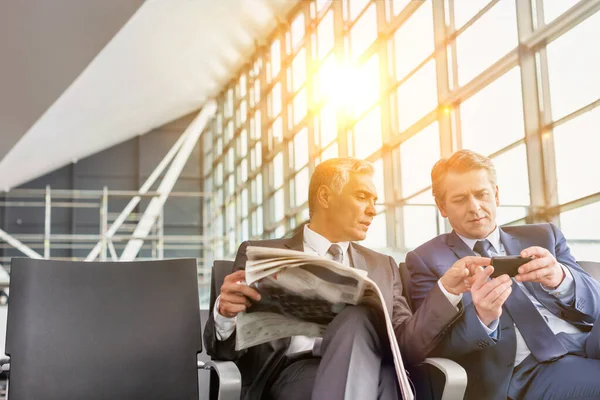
x=296 y=242
x=459 y=247
x=358 y=260
x=512 y=245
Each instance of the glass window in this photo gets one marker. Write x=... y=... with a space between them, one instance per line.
x=297 y=30
x=553 y=9
x=490 y=38
x=275 y=58
x=299 y=70
x=275 y=100
x=325 y=35
x=364 y=32
x=259 y=189
x=414 y=40
x=576 y=145
x=301 y=149
x=420 y=224
x=279 y=206
x=299 y=106
x=277 y=131
x=377 y=234
x=301 y=189
x=243 y=144
x=328 y=129
x=418 y=154
x=257 y=126
x=367 y=134
x=465 y=10
x=365 y=89
x=378 y=180
x=278 y=170
x=322 y=3
x=513 y=184
x=355 y=7
x=330 y=152
x=417 y=96
x=399 y=5
x=493 y=117
x=244 y=203
x=580 y=227
x=573 y=67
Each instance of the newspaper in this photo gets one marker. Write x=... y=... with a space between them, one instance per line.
x=300 y=294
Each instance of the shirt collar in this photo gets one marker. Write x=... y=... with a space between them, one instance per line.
x=493 y=237
x=319 y=243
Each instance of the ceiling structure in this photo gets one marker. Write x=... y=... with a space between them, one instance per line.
x=79 y=77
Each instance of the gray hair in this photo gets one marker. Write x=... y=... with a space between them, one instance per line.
x=335 y=174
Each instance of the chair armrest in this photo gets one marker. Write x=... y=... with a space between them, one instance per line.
x=456 y=377
x=230 y=379
x=5 y=364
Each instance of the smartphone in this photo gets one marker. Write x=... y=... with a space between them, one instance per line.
x=508 y=265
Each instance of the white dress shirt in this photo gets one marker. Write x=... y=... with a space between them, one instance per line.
x=564 y=292
x=314 y=243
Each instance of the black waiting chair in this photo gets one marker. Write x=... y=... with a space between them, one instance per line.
x=448 y=377
x=106 y=330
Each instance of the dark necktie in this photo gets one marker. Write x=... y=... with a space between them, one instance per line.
x=541 y=341
x=336 y=252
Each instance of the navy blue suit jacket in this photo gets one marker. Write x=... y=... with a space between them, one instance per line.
x=490 y=363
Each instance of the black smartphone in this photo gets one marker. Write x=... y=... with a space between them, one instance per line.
x=508 y=265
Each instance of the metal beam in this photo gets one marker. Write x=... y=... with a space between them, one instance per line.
x=136 y=199
x=18 y=245
x=153 y=210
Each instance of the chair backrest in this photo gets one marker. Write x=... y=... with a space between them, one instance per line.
x=405 y=278
x=591 y=267
x=221 y=268
x=79 y=330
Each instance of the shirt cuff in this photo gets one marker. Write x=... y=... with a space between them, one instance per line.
x=454 y=299
x=492 y=328
x=224 y=326
x=565 y=286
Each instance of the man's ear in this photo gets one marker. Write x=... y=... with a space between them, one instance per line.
x=324 y=196
x=497 y=195
x=442 y=207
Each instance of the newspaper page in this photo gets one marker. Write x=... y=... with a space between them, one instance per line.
x=301 y=294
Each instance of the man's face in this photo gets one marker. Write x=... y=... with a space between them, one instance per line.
x=470 y=203
x=351 y=212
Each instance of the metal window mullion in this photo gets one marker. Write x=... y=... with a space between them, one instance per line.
x=340 y=58
x=531 y=115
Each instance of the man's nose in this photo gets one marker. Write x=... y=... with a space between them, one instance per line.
x=371 y=210
x=474 y=205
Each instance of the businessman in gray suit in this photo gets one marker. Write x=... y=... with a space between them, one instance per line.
x=534 y=337
x=353 y=361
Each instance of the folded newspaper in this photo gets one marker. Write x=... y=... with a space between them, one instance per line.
x=300 y=294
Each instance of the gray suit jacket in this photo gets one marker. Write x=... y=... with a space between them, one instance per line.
x=417 y=334
x=489 y=363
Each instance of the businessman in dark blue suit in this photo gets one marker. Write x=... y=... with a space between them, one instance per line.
x=531 y=337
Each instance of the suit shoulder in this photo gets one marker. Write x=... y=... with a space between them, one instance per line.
x=368 y=251
x=545 y=228
x=433 y=244
x=267 y=242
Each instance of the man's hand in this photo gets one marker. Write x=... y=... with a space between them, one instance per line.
x=489 y=296
x=543 y=268
x=455 y=279
x=235 y=295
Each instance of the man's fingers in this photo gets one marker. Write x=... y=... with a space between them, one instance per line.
x=235 y=298
x=481 y=277
x=501 y=299
x=534 y=275
x=491 y=285
x=534 y=251
x=495 y=293
x=534 y=264
x=236 y=276
x=243 y=289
